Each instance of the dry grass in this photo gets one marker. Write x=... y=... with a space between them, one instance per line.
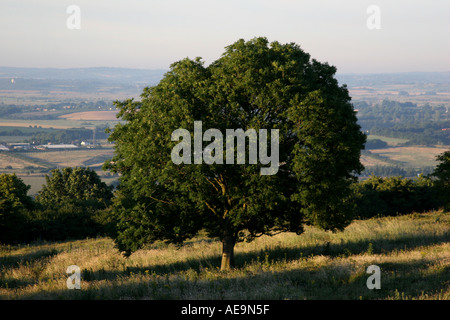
x=412 y=251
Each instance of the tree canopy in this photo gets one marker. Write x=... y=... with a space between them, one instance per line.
x=13 y=201
x=442 y=173
x=79 y=184
x=253 y=85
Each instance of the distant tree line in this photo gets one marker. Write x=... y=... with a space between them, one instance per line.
x=73 y=135
x=14 y=111
x=423 y=133
x=75 y=204
x=43 y=136
x=419 y=124
x=393 y=171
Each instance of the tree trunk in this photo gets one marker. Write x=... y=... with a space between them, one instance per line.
x=228 y=243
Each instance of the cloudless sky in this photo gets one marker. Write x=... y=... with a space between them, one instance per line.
x=152 y=34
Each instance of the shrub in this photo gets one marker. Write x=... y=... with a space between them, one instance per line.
x=378 y=196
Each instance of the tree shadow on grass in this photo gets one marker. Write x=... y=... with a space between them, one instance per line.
x=36 y=261
x=275 y=254
x=303 y=282
x=17 y=259
x=399 y=280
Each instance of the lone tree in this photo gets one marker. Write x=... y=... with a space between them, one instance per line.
x=253 y=85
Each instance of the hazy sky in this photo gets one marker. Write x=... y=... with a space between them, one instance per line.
x=150 y=34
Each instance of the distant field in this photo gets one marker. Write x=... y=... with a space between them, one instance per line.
x=73 y=158
x=368 y=161
x=24 y=163
x=34 y=181
x=8 y=159
x=91 y=115
x=413 y=156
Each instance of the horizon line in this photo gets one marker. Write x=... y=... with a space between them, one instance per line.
x=166 y=69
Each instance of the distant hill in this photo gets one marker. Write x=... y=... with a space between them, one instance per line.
x=384 y=79
x=99 y=78
x=152 y=76
x=105 y=74
x=80 y=80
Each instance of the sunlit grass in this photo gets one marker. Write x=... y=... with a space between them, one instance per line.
x=412 y=251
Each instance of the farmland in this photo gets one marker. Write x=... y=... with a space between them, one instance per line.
x=59 y=103
x=30 y=166
x=417 y=156
x=73 y=158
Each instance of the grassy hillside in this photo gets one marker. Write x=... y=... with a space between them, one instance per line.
x=413 y=252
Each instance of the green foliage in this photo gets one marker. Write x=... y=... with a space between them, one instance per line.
x=442 y=173
x=253 y=85
x=71 y=206
x=14 y=190
x=378 y=196
x=74 y=185
x=68 y=221
x=14 y=201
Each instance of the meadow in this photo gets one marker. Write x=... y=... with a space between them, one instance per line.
x=412 y=251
